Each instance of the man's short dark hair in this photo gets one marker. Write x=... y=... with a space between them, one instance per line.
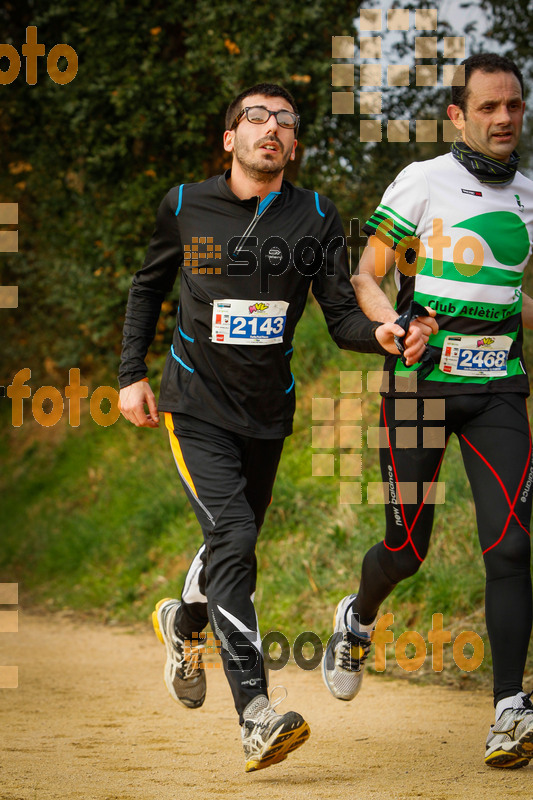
x=484 y=62
x=267 y=90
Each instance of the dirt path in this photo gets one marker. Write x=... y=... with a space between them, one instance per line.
x=91 y=720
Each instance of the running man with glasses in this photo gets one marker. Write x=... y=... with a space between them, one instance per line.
x=249 y=245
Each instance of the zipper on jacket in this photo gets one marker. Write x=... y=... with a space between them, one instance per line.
x=257 y=216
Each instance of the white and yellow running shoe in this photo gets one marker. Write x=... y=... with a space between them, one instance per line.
x=510 y=739
x=268 y=737
x=345 y=655
x=184 y=670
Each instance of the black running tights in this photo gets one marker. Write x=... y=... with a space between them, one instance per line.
x=495 y=440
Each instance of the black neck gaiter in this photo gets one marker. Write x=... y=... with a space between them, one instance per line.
x=485 y=168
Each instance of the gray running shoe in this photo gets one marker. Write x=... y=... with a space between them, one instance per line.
x=184 y=671
x=510 y=739
x=267 y=737
x=345 y=655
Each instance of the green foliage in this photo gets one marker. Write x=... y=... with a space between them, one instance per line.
x=511 y=25
x=88 y=162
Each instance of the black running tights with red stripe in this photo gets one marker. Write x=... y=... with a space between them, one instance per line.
x=494 y=435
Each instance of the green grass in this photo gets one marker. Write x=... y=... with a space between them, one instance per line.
x=95 y=520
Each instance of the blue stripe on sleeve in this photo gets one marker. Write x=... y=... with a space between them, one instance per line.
x=318 y=206
x=180 y=199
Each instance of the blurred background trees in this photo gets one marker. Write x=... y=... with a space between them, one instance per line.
x=88 y=162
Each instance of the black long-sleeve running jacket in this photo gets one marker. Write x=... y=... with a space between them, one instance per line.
x=246 y=267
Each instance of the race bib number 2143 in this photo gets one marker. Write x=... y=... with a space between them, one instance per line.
x=252 y=322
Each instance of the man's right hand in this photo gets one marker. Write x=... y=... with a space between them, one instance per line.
x=132 y=400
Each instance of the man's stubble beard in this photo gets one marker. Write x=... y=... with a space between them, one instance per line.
x=267 y=171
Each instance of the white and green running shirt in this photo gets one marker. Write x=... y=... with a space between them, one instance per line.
x=473 y=241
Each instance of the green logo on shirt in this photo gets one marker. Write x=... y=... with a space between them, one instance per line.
x=505 y=234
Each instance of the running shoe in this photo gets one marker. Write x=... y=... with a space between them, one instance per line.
x=184 y=671
x=345 y=655
x=510 y=739
x=268 y=737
